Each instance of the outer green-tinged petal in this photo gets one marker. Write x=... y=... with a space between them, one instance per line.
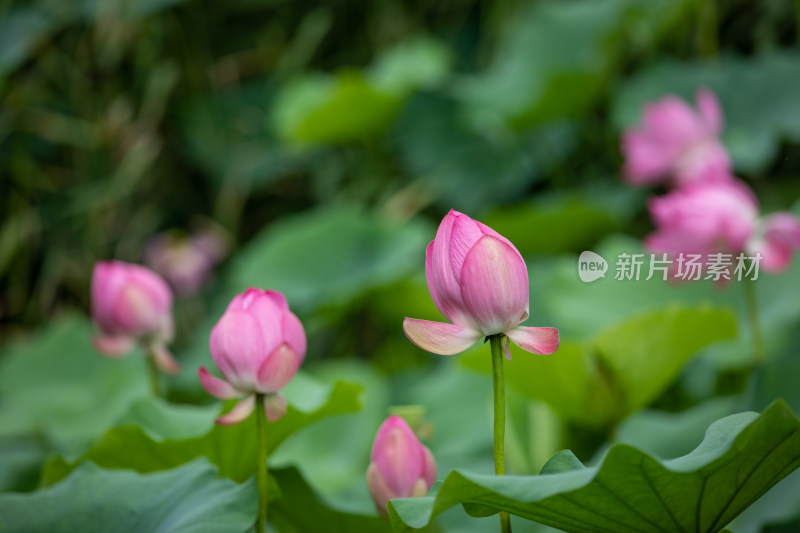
x=439 y=337
x=164 y=359
x=113 y=346
x=275 y=406
x=239 y=413
x=539 y=341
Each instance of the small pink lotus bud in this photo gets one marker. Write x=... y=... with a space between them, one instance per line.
x=186 y=262
x=130 y=304
x=677 y=144
x=257 y=345
x=479 y=281
x=401 y=467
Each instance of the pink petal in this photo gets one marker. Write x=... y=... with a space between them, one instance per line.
x=673 y=124
x=293 y=334
x=378 y=488
x=278 y=299
x=428 y=467
x=494 y=285
x=239 y=413
x=539 y=341
x=781 y=239
x=646 y=162
x=710 y=110
x=269 y=315
x=439 y=337
x=278 y=369
x=216 y=387
x=113 y=345
x=465 y=234
x=275 y=406
x=397 y=453
x=442 y=283
x=164 y=359
x=237 y=347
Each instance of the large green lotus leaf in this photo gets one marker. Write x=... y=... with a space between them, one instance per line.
x=563 y=223
x=670 y=435
x=332 y=455
x=300 y=509
x=739 y=459
x=618 y=371
x=226 y=133
x=56 y=387
x=555 y=58
x=191 y=498
x=320 y=108
x=417 y=62
x=462 y=167
x=756 y=93
x=330 y=256
x=645 y=354
x=153 y=445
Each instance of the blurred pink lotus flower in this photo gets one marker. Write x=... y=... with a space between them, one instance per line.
x=710 y=218
x=479 y=281
x=186 y=262
x=677 y=144
x=130 y=304
x=400 y=467
x=257 y=345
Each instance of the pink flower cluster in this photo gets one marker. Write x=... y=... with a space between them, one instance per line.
x=709 y=210
x=476 y=277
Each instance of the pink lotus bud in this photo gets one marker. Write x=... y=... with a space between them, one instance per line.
x=400 y=467
x=186 y=262
x=131 y=303
x=703 y=219
x=257 y=345
x=675 y=143
x=479 y=281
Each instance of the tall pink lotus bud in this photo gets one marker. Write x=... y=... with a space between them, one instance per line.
x=479 y=281
x=704 y=218
x=257 y=345
x=186 y=262
x=130 y=304
x=400 y=467
x=677 y=144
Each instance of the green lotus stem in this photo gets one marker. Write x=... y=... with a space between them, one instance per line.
x=759 y=353
x=261 y=467
x=706 y=20
x=153 y=372
x=499 y=386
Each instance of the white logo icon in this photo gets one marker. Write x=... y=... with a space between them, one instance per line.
x=591 y=266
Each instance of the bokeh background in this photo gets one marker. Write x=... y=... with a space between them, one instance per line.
x=313 y=148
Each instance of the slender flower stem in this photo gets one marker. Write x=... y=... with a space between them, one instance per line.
x=261 y=467
x=499 y=387
x=153 y=372
x=759 y=353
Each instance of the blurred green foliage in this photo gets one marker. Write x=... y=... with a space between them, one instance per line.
x=327 y=140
